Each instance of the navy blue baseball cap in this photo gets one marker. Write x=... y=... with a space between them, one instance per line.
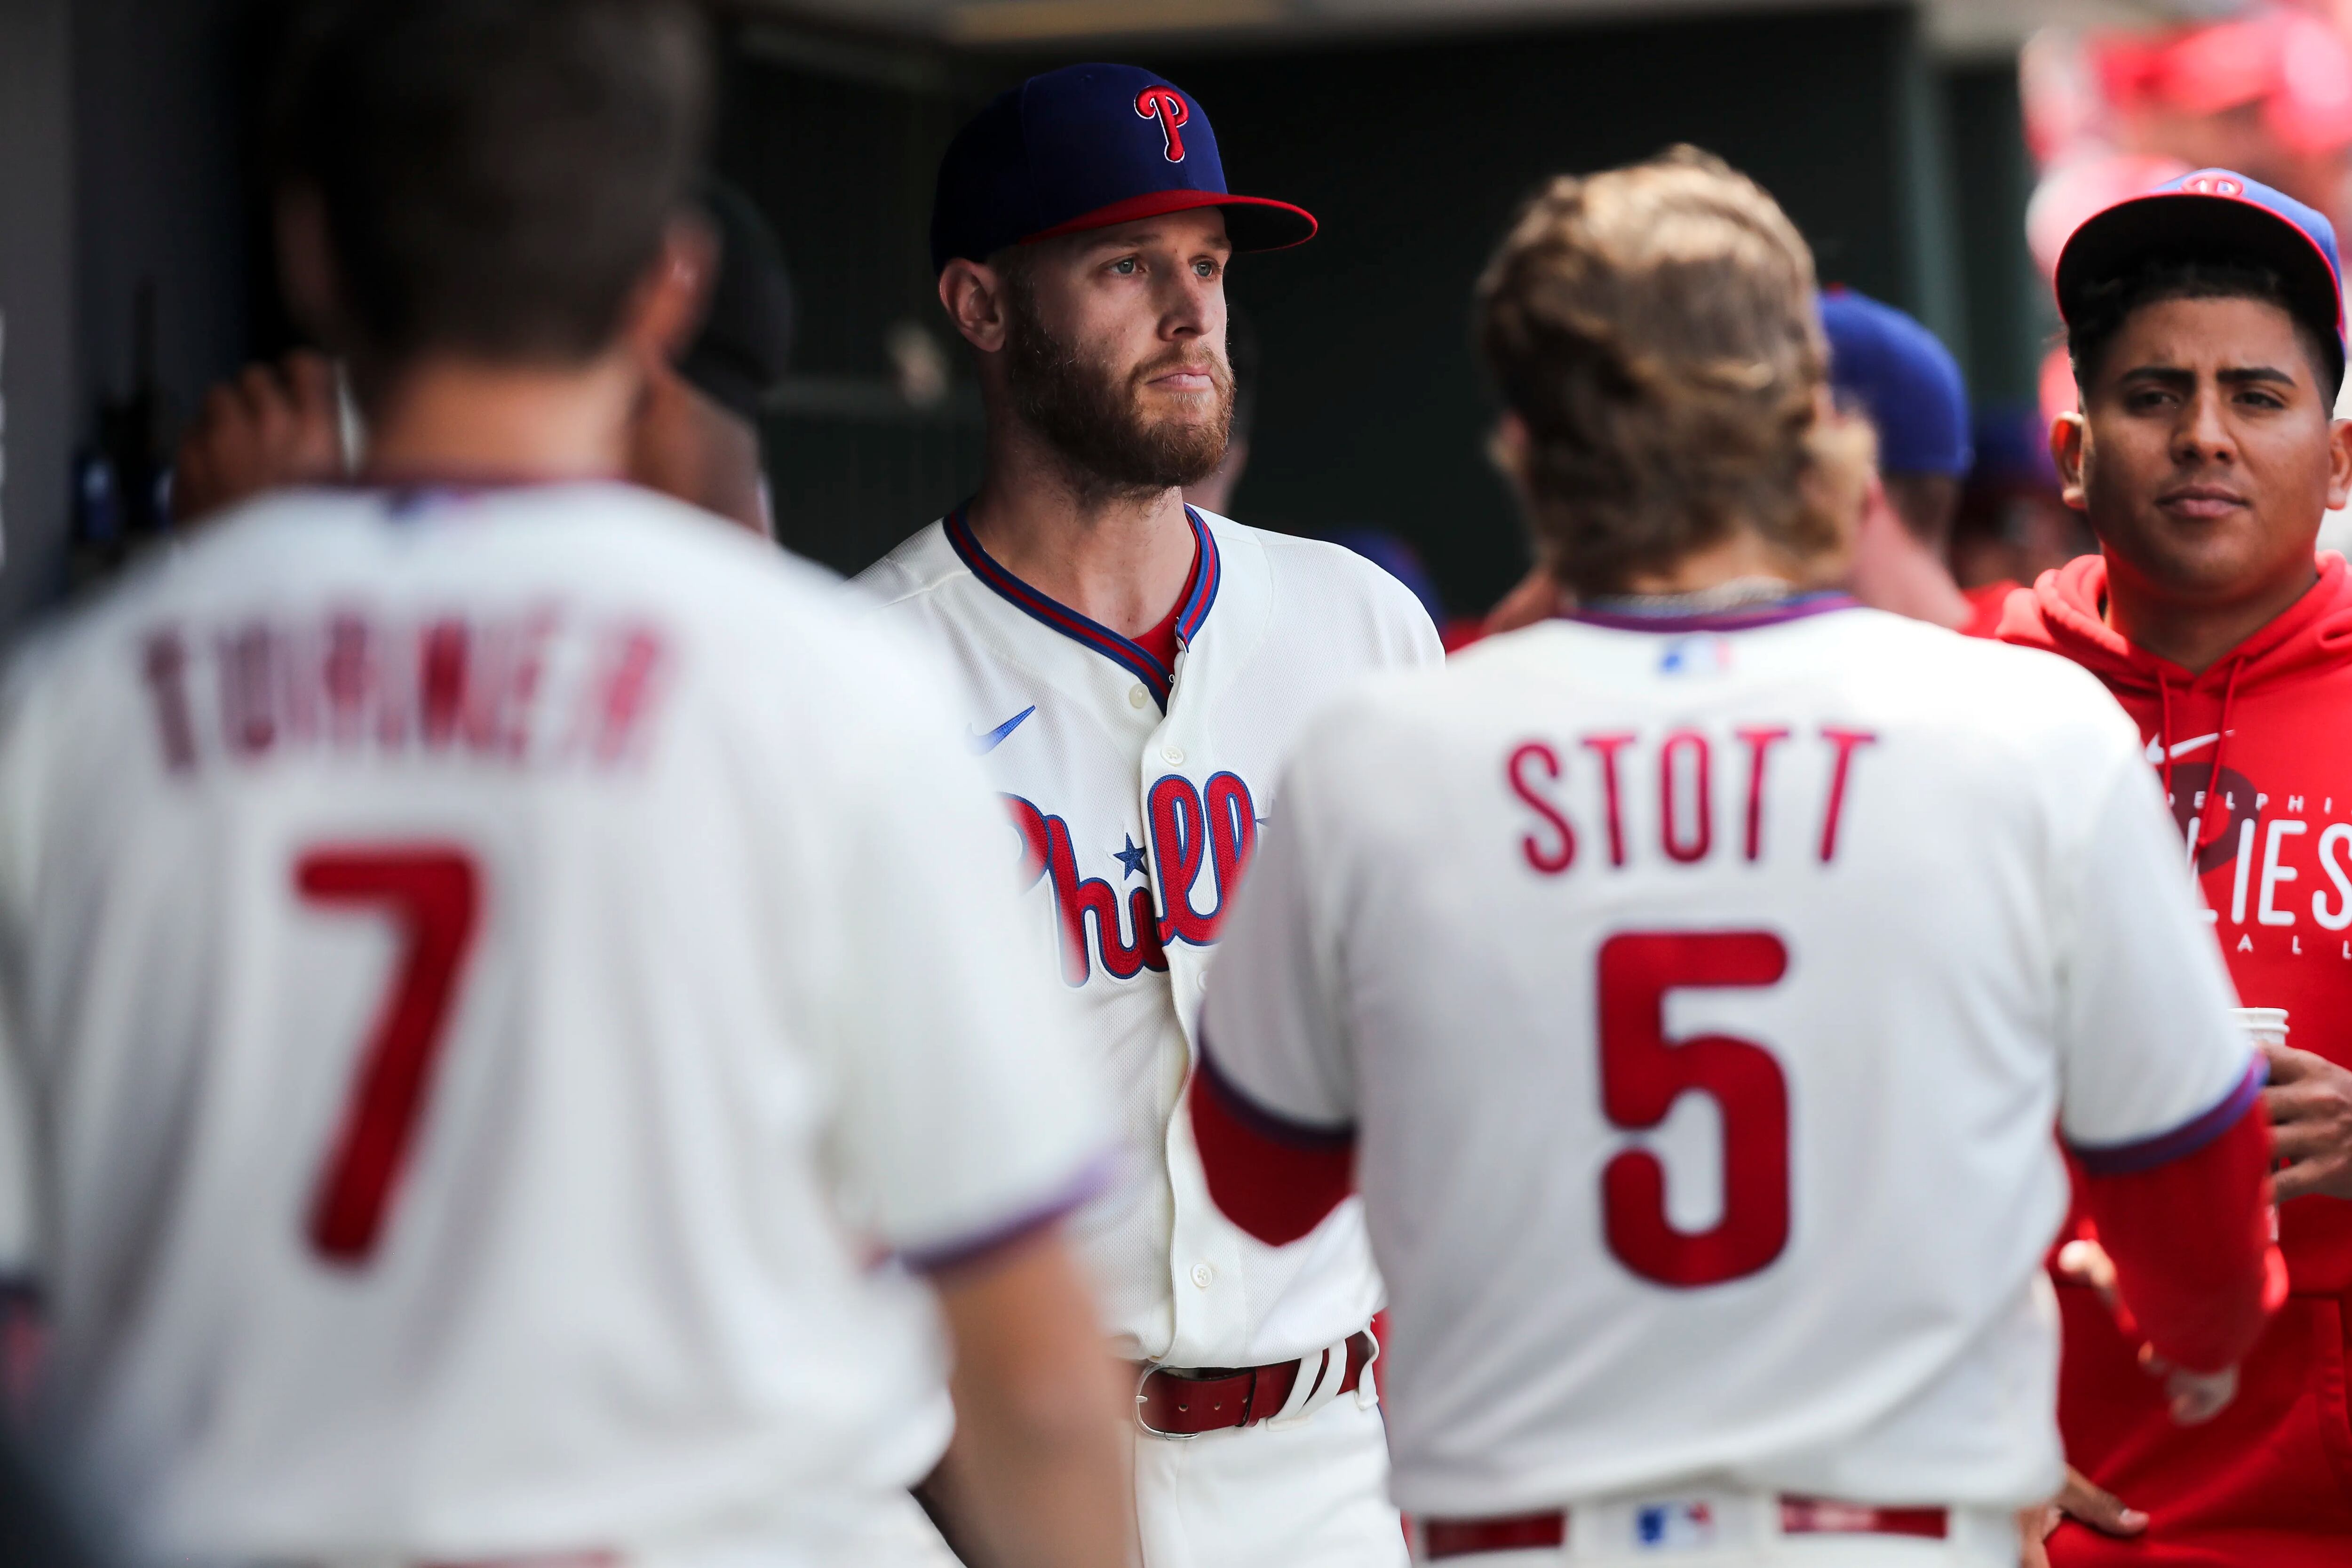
x=1087 y=147
x=1901 y=376
x=2219 y=216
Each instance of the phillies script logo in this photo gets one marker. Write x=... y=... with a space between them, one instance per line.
x=1166 y=105
x=1192 y=832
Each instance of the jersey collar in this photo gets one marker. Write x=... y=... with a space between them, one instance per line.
x=1156 y=678
x=1740 y=618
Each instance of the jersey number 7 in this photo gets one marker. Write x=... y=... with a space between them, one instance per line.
x=434 y=893
x=1642 y=1073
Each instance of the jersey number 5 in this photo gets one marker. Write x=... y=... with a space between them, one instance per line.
x=1642 y=1073
x=434 y=893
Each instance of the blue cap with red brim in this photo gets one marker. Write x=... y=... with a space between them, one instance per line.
x=1086 y=147
x=2213 y=215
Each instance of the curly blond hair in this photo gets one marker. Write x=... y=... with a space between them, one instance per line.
x=1655 y=330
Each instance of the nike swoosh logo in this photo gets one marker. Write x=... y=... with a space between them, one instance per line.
x=2180 y=748
x=985 y=743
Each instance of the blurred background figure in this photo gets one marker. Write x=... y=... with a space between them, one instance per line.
x=2012 y=524
x=696 y=434
x=1886 y=367
x=2262 y=87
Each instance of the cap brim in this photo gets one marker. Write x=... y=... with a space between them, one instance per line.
x=2216 y=229
x=1252 y=222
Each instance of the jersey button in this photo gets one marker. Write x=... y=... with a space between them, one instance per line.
x=1202 y=1274
x=1173 y=753
x=1136 y=695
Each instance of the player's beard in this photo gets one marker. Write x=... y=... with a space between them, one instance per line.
x=1094 y=416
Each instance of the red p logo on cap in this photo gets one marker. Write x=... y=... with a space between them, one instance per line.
x=1166 y=105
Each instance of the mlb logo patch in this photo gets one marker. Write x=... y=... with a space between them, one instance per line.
x=1703 y=654
x=1679 y=1526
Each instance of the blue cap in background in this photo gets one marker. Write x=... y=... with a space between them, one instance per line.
x=2013 y=443
x=1394 y=555
x=1893 y=370
x=1087 y=147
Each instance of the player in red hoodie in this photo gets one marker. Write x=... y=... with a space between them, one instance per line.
x=2206 y=327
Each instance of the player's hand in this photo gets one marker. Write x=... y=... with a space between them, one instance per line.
x=2084 y=1262
x=2309 y=1103
x=2078 y=1499
x=273 y=426
x=2193 y=1397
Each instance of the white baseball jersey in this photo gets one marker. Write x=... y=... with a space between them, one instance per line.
x=1702 y=998
x=494 y=975
x=1135 y=793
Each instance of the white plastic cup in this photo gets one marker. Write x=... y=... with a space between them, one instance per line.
x=2263 y=1026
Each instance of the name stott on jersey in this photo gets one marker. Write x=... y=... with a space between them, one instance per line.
x=1701 y=999
x=440 y=935
x=1138 y=796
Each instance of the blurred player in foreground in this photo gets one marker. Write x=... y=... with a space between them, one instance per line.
x=2206 y=330
x=1888 y=367
x=1892 y=901
x=451 y=926
x=1134 y=669
x=694 y=433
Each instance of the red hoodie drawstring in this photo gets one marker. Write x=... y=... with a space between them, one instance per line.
x=2220 y=744
x=2164 y=737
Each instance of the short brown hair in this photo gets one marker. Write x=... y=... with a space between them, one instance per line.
x=495 y=175
x=1654 y=329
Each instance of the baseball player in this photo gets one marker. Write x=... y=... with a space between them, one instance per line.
x=1893 y=371
x=1133 y=672
x=452 y=931
x=2205 y=325
x=1692 y=982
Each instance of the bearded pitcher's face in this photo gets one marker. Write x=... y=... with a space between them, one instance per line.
x=1115 y=348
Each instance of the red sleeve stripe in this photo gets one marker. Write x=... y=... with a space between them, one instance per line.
x=962 y=1251
x=2147 y=1154
x=1273 y=1177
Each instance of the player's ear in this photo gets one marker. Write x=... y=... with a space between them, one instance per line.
x=2067 y=435
x=973 y=293
x=1507 y=449
x=2339 y=464
x=665 y=310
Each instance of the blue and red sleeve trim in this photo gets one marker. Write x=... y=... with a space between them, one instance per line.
x=1158 y=677
x=1275 y=1177
x=979 y=1246
x=2147 y=1154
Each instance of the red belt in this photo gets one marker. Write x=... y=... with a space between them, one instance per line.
x=1798 y=1516
x=1187 y=1404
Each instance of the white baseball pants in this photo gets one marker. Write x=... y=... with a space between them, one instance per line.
x=1313 y=1495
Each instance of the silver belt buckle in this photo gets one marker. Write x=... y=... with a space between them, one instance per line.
x=1142 y=1424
